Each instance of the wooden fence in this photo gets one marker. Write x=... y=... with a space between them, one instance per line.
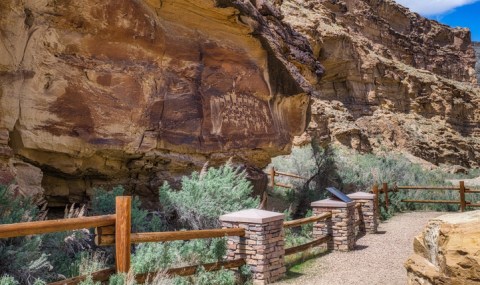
x=461 y=188
x=272 y=173
x=115 y=230
x=316 y=242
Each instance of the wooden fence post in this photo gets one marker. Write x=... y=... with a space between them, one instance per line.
x=462 y=196
x=385 y=190
x=123 y=207
x=272 y=177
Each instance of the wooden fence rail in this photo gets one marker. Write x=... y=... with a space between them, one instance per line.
x=104 y=274
x=308 y=245
x=52 y=226
x=272 y=173
x=299 y=222
x=313 y=243
x=116 y=230
x=109 y=239
x=461 y=188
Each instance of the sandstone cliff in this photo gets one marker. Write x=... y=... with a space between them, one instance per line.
x=393 y=80
x=476 y=46
x=132 y=91
x=137 y=92
x=447 y=251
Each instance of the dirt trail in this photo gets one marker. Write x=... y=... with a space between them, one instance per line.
x=378 y=258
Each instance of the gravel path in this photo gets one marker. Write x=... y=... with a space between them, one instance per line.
x=378 y=258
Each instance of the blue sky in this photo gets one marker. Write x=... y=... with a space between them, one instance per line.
x=455 y=13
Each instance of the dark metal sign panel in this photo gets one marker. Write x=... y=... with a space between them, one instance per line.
x=339 y=195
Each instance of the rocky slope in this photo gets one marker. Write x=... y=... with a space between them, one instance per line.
x=138 y=92
x=476 y=47
x=393 y=81
x=446 y=252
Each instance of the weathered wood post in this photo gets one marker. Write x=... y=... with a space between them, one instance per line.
x=123 y=211
x=272 y=177
x=462 y=196
x=385 y=190
x=262 y=247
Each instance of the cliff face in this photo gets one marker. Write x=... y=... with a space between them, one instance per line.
x=138 y=92
x=476 y=47
x=446 y=252
x=393 y=81
x=133 y=92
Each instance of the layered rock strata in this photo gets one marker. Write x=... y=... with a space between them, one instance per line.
x=476 y=47
x=135 y=92
x=394 y=80
x=139 y=92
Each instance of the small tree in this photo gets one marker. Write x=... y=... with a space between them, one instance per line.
x=207 y=195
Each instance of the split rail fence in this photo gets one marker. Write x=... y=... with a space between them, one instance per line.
x=273 y=172
x=115 y=230
x=462 y=202
x=266 y=238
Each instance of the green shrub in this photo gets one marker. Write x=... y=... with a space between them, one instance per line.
x=351 y=171
x=8 y=280
x=118 y=279
x=364 y=170
x=103 y=203
x=21 y=257
x=313 y=163
x=157 y=256
x=298 y=235
x=89 y=281
x=206 y=196
x=222 y=277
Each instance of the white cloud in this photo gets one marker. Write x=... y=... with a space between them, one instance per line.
x=434 y=7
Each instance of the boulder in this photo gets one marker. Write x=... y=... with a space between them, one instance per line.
x=447 y=251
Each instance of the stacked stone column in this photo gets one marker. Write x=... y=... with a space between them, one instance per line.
x=368 y=210
x=340 y=226
x=262 y=247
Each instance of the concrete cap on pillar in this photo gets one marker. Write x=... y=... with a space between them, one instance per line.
x=361 y=196
x=330 y=203
x=254 y=216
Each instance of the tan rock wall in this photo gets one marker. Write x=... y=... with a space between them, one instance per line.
x=138 y=92
x=446 y=252
x=393 y=80
x=133 y=92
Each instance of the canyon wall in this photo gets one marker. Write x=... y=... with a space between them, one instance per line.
x=136 y=92
x=476 y=47
x=394 y=80
x=139 y=92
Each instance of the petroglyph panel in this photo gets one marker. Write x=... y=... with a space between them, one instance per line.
x=239 y=113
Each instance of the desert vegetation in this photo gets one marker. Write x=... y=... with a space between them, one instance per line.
x=352 y=171
x=201 y=199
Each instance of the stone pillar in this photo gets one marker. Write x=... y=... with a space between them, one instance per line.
x=340 y=225
x=263 y=245
x=368 y=209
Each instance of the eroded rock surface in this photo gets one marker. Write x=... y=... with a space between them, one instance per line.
x=131 y=92
x=476 y=46
x=394 y=80
x=138 y=92
x=447 y=252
